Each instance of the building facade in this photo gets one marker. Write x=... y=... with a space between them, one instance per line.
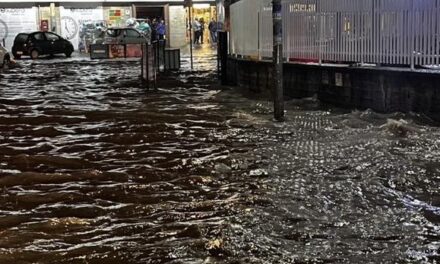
x=77 y=20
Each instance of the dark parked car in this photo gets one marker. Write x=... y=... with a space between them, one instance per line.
x=40 y=43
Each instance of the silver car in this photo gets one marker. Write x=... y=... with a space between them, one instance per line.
x=124 y=36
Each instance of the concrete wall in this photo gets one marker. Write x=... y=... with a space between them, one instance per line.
x=381 y=89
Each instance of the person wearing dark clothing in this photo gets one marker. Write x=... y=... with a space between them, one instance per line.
x=153 y=30
x=202 y=29
x=213 y=30
x=161 y=30
x=196 y=27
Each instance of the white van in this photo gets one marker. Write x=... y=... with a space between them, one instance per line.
x=5 y=58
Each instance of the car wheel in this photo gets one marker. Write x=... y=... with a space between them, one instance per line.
x=16 y=56
x=34 y=54
x=68 y=53
x=6 y=61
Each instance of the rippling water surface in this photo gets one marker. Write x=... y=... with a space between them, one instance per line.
x=96 y=169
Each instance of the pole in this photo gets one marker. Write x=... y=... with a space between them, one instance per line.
x=412 y=35
x=221 y=51
x=53 y=26
x=278 y=60
x=190 y=35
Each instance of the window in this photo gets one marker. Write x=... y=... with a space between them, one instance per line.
x=132 y=33
x=39 y=36
x=52 y=37
x=21 y=38
x=113 y=32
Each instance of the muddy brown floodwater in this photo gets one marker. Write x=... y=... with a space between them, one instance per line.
x=96 y=169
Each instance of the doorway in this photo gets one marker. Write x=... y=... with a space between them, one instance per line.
x=204 y=12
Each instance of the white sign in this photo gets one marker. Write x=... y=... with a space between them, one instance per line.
x=73 y=19
x=16 y=20
x=178 y=28
x=302 y=8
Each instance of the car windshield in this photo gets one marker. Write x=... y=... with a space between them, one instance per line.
x=39 y=36
x=113 y=32
x=51 y=37
x=21 y=38
x=132 y=33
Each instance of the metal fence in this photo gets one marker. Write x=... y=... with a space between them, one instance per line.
x=392 y=32
x=265 y=46
x=152 y=62
x=149 y=65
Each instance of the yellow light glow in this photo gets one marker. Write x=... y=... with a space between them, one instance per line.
x=201 y=6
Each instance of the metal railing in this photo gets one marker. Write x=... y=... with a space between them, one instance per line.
x=265 y=46
x=152 y=62
x=391 y=32
x=159 y=50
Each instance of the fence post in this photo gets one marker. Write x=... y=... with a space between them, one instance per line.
x=222 y=42
x=147 y=64
x=142 y=62
x=320 y=38
x=258 y=31
x=412 y=35
x=278 y=60
x=189 y=4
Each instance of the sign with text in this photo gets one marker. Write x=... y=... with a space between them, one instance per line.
x=17 y=20
x=302 y=8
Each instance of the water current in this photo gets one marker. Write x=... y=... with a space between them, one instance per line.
x=94 y=168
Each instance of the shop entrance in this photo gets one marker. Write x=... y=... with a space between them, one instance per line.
x=49 y=18
x=204 y=12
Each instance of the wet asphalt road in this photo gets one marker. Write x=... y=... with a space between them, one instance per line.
x=96 y=169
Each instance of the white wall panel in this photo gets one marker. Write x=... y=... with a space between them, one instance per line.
x=16 y=20
x=391 y=32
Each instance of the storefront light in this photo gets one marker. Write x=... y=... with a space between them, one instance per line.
x=201 y=6
x=52 y=9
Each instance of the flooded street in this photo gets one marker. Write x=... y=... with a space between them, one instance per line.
x=96 y=169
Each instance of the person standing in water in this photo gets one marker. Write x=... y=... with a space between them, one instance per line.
x=197 y=28
x=212 y=27
x=161 y=30
x=202 y=29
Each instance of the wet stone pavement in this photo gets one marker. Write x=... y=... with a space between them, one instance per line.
x=96 y=169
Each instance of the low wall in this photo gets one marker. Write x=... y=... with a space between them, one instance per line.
x=379 y=88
